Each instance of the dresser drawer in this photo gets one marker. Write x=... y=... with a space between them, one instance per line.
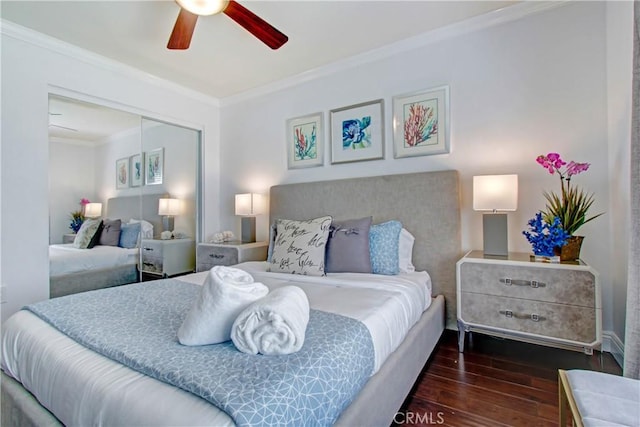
x=535 y=283
x=567 y=322
x=152 y=264
x=151 y=248
x=209 y=256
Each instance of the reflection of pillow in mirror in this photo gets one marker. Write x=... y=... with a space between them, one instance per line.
x=85 y=234
x=146 y=228
x=110 y=232
x=129 y=234
x=96 y=236
x=300 y=246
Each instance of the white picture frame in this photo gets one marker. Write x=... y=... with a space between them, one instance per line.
x=154 y=166
x=357 y=132
x=305 y=141
x=421 y=123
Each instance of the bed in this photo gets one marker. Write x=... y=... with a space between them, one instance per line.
x=428 y=206
x=80 y=270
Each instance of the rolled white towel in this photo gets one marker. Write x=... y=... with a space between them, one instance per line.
x=225 y=293
x=275 y=324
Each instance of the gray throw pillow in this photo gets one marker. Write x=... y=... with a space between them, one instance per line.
x=348 y=246
x=110 y=232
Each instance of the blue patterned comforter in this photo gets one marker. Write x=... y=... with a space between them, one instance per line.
x=136 y=325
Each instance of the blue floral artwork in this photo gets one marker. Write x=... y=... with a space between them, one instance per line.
x=356 y=133
x=305 y=141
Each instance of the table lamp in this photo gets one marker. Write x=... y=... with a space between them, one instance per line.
x=495 y=193
x=93 y=210
x=248 y=205
x=168 y=208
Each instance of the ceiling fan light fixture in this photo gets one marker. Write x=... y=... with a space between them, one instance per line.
x=203 y=7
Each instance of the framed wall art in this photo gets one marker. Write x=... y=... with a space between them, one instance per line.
x=154 y=166
x=421 y=123
x=135 y=174
x=357 y=132
x=305 y=141
x=122 y=173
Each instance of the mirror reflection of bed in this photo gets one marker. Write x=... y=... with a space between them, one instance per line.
x=87 y=141
x=114 y=263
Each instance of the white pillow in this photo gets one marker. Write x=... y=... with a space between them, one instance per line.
x=146 y=228
x=405 y=252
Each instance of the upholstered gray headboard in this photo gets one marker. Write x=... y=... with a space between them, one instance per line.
x=427 y=204
x=136 y=207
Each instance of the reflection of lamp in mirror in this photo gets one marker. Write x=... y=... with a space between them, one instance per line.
x=93 y=210
x=495 y=193
x=169 y=208
x=248 y=206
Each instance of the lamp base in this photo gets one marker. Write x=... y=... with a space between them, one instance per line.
x=248 y=229
x=167 y=223
x=494 y=234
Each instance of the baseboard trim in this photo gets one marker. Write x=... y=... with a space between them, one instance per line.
x=613 y=344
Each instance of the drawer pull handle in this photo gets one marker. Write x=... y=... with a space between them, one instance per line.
x=148 y=249
x=216 y=256
x=516 y=282
x=533 y=316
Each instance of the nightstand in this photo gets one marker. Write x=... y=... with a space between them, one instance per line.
x=68 y=238
x=168 y=257
x=553 y=304
x=212 y=254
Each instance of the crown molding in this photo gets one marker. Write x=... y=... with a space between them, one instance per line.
x=487 y=20
x=18 y=32
x=477 y=23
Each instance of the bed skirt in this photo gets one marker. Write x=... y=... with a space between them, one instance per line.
x=91 y=280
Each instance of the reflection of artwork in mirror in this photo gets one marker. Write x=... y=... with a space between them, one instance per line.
x=135 y=176
x=122 y=173
x=154 y=164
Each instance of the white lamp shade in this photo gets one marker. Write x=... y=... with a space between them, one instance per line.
x=249 y=204
x=93 y=210
x=495 y=193
x=203 y=7
x=169 y=207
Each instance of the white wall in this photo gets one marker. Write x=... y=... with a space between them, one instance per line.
x=30 y=69
x=71 y=178
x=519 y=89
x=619 y=82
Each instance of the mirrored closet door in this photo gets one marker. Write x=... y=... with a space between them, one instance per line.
x=136 y=176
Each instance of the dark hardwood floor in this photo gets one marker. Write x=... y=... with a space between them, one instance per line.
x=495 y=382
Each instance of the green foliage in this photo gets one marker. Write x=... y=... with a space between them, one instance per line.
x=570 y=207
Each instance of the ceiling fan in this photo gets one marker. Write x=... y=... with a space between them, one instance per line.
x=191 y=9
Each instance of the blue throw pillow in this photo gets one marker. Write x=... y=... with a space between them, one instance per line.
x=384 y=241
x=129 y=235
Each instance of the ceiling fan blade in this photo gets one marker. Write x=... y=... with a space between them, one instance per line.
x=255 y=25
x=182 y=30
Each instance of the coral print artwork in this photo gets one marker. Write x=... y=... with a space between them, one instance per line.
x=421 y=123
x=305 y=141
x=305 y=145
x=122 y=173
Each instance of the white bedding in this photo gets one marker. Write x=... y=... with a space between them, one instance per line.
x=65 y=259
x=84 y=388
